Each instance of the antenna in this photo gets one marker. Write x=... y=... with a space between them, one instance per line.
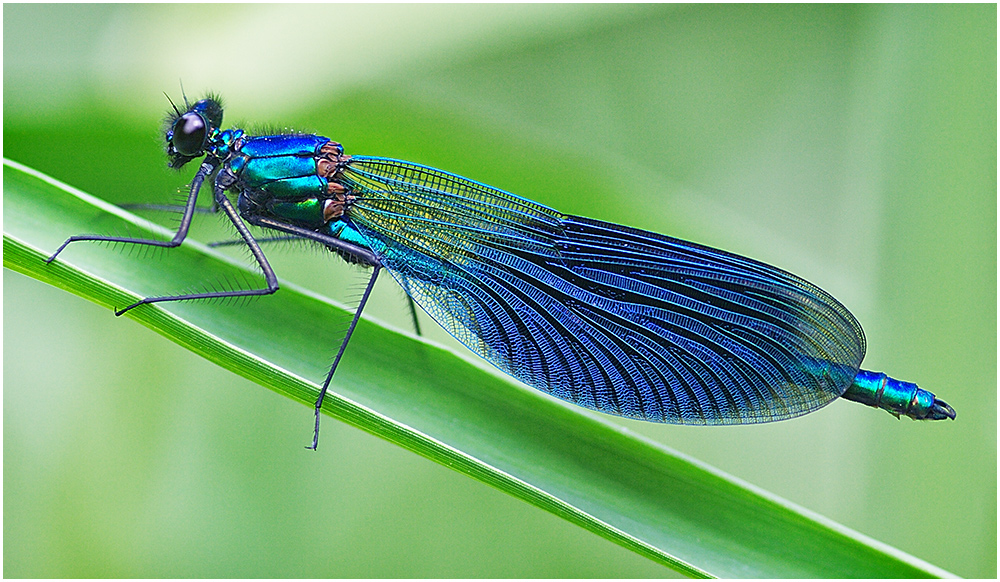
x=172 y=103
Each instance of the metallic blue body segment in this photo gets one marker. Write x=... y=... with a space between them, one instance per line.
x=303 y=145
x=284 y=166
x=342 y=230
x=897 y=397
x=609 y=317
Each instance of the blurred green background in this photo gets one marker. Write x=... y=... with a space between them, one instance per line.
x=852 y=145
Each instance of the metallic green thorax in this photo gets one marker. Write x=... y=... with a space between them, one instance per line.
x=283 y=166
x=288 y=177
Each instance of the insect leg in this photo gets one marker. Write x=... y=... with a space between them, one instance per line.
x=168 y=208
x=189 y=209
x=364 y=256
x=340 y=354
x=266 y=239
x=258 y=254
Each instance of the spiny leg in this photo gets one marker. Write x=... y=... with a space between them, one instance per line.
x=340 y=353
x=169 y=208
x=363 y=255
x=182 y=231
x=261 y=240
x=258 y=254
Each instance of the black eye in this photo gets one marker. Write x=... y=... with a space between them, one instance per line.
x=189 y=134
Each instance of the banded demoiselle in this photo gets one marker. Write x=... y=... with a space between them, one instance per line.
x=612 y=318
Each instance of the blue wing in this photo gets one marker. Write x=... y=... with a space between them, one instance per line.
x=609 y=317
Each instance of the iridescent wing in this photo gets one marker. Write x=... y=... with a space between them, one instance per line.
x=608 y=317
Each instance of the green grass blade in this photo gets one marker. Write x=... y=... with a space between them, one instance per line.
x=429 y=400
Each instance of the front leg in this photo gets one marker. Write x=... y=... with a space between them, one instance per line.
x=189 y=209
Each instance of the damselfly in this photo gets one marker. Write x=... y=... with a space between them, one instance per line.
x=612 y=318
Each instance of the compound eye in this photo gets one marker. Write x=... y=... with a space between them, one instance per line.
x=189 y=134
